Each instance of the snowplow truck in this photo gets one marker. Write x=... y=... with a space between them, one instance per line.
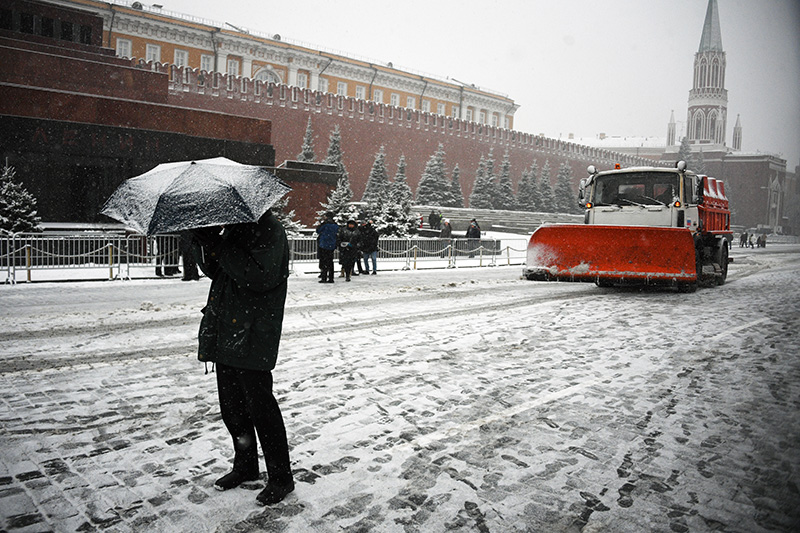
x=642 y=225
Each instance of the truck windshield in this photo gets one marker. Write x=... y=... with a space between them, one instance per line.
x=636 y=188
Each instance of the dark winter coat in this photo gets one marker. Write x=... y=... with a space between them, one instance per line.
x=326 y=235
x=347 y=243
x=474 y=231
x=369 y=239
x=447 y=231
x=243 y=318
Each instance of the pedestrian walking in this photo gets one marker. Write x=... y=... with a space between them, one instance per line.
x=326 y=246
x=369 y=246
x=239 y=334
x=347 y=243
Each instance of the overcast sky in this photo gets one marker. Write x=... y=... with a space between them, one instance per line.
x=573 y=66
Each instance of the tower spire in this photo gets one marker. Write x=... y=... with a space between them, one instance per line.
x=711 y=40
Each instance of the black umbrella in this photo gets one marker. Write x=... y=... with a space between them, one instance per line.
x=194 y=194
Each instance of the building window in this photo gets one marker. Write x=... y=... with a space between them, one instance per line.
x=153 y=53
x=507 y=123
x=495 y=120
x=341 y=88
x=85 y=34
x=323 y=85
x=207 y=63
x=302 y=80
x=482 y=117
x=377 y=95
x=361 y=92
x=456 y=111
x=233 y=67
x=124 y=48
x=411 y=102
x=469 y=115
x=66 y=31
x=181 y=58
x=395 y=101
x=426 y=106
x=26 y=22
x=440 y=109
x=48 y=27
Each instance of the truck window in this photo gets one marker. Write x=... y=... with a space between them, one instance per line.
x=636 y=188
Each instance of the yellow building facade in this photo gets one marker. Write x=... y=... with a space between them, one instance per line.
x=149 y=33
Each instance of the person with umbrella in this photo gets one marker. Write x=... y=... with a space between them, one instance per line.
x=242 y=247
x=240 y=332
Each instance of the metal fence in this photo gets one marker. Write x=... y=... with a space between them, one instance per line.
x=120 y=256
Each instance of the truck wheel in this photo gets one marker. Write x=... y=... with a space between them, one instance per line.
x=722 y=261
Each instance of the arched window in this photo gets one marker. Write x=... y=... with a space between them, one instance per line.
x=703 y=80
x=267 y=75
x=712 y=126
x=698 y=126
x=715 y=73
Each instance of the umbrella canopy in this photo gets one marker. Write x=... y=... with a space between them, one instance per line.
x=193 y=194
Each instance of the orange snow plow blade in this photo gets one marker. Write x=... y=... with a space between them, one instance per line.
x=611 y=254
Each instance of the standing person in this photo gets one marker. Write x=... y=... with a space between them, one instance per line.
x=369 y=246
x=190 y=272
x=359 y=249
x=447 y=230
x=240 y=331
x=346 y=241
x=326 y=246
x=474 y=236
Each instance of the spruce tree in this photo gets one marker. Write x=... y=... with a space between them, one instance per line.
x=535 y=201
x=433 y=188
x=685 y=152
x=286 y=218
x=481 y=198
x=378 y=182
x=565 y=199
x=17 y=205
x=307 y=151
x=342 y=194
x=491 y=185
x=504 y=197
x=525 y=192
x=400 y=191
x=699 y=163
x=548 y=204
x=455 y=188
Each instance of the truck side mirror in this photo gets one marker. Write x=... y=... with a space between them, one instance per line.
x=582 y=193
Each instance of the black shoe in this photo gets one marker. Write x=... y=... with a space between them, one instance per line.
x=233 y=479
x=374 y=273
x=274 y=493
x=323 y=281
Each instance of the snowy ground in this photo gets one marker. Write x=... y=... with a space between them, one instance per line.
x=460 y=400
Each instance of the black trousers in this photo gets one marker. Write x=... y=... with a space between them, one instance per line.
x=249 y=409
x=325 y=264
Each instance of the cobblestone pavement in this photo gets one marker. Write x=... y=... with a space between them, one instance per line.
x=465 y=401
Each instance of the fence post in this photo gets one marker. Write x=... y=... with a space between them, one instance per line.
x=415 y=256
x=28 y=260
x=110 y=261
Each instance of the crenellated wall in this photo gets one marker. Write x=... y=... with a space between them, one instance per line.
x=366 y=126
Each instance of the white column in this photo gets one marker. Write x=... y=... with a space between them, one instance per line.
x=247 y=67
x=292 y=74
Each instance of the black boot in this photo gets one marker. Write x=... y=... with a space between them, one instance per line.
x=273 y=493
x=233 y=479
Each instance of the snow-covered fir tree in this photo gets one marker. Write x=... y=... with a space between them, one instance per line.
x=394 y=220
x=685 y=152
x=524 y=190
x=286 y=217
x=548 y=203
x=307 y=151
x=456 y=194
x=504 y=194
x=17 y=206
x=377 y=188
x=699 y=163
x=491 y=178
x=481 y=197
x=565 y=199
x=342 y=194
x=433 y=187
x=400 y=191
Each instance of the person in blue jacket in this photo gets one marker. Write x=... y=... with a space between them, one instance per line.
x=326 y=245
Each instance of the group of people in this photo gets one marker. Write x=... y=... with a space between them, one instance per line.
x=746 y=241
x=356 y=242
